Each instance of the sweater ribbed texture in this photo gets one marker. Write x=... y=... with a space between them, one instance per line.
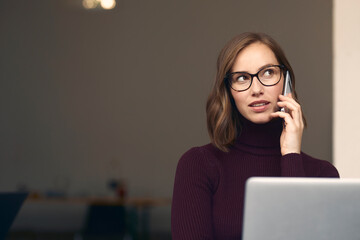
x=208 y=195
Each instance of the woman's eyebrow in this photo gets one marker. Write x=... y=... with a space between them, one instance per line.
x=264 y=66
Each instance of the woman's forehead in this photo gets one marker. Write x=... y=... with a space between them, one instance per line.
x=254 y=57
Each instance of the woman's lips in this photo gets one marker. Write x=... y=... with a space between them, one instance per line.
x=259 y=106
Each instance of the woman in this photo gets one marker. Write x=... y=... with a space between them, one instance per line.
x=249 y=137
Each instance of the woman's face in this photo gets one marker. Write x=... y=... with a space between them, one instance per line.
x=256 y=103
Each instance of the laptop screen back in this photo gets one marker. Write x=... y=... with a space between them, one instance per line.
x=302 y=208
x=10 y=204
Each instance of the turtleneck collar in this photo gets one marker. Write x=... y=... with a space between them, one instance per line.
x=260 y=138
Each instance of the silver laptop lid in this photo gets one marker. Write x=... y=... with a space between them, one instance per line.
x=302 y=208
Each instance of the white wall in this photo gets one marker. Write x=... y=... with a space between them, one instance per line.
x=346 y=35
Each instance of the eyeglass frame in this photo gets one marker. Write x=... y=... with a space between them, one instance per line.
x=227 y=78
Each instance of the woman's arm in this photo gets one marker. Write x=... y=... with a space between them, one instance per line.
x=191 y=213
x=294 y=163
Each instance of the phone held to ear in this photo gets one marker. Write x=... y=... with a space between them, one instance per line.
x=287 y=88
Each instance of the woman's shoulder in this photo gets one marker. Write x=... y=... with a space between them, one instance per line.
x=319 y=167
x=200 y=157
x=207 y=149
x=199 y=165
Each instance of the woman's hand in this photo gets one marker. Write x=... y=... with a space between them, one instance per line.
x=290 y=140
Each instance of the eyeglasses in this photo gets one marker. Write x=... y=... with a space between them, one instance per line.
x=267 y=76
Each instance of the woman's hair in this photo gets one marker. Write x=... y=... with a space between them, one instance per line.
x=223 y=118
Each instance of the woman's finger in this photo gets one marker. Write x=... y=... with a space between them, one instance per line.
x=293 y=106
x=286 y=116
x=293 y=110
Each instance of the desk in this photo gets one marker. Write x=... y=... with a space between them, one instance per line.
x=141 y=206
x=136 y=202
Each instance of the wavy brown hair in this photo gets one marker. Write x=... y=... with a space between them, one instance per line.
x=223 y=118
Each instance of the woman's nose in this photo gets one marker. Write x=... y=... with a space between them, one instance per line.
x=256 y=88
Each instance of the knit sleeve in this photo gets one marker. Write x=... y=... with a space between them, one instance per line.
x=292 y=165
x=319 y=168
x=191 y=213
x=328 y=170
x=303 y=165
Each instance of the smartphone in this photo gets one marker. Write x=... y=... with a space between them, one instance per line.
x=287 y=88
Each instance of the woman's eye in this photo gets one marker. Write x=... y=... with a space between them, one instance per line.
x=268 y=72
x=241 y=78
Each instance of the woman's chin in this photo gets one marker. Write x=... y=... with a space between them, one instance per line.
x=260 y=119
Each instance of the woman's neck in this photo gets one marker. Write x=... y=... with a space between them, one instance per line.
x=261 y=135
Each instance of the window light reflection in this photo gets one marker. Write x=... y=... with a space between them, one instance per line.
x=89 y=4
x=104 y=4
x=108 y=4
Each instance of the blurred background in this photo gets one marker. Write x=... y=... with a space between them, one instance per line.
x=100 y=99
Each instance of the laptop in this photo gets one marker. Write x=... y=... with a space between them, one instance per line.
x=10 y=204
x=302 y=208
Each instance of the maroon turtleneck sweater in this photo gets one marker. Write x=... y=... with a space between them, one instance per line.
x=209 y=184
